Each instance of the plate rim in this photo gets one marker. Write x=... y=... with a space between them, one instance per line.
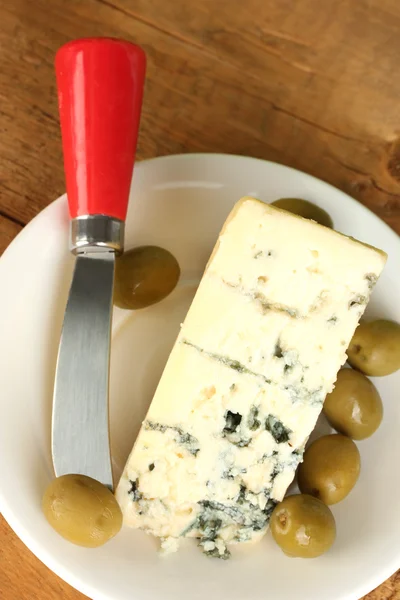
x=217 y=156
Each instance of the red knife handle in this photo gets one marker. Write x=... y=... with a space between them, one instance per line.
x=100 y=88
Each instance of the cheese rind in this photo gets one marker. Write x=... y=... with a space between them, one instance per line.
x=245 y=382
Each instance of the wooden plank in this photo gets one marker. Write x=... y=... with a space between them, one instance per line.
x=306 y=87
x=390 y=590
x=8 y=231
x=24 y=577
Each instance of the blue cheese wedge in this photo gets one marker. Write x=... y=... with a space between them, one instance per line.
x=245 y=382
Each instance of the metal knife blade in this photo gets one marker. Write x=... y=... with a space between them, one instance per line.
x=80 y=428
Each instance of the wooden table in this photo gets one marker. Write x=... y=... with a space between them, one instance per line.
x=311 y=84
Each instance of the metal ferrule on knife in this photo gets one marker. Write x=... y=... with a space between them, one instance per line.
x=91 y=233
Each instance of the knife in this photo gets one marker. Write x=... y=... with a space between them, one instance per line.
x=100 y=87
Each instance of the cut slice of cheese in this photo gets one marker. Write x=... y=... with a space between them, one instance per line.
x=245 y=382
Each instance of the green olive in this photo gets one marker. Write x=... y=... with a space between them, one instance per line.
x=303 y=526
x=354 y=408
x=144 y=276
x=82 y=510
x=305 y=209
x=375 y=348
x=330 y=468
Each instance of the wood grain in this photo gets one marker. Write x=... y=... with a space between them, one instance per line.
x=8 y=230
x=309 y=84
x=24 y=577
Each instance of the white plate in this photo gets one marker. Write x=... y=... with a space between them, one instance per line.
x=179 y=202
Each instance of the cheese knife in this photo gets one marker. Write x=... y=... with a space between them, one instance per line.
x=100 y=87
